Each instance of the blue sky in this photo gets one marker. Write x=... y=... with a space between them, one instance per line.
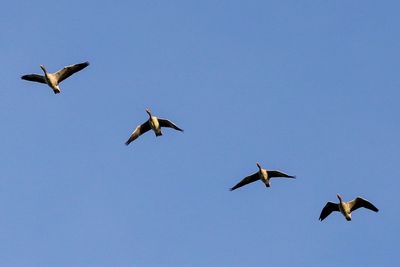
x=307 y=87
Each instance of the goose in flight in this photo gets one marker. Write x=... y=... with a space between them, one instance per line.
x=263 y=175
x=346 y=208
x=53 y=79
x=153 y=123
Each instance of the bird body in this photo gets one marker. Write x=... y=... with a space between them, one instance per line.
x=263 y=175
x=53 y=79
x=346 y=208
x=153 y=123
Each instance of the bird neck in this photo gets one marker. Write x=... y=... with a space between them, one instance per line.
x=44 y=69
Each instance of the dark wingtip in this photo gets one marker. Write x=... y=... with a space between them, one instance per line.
x=127 y=143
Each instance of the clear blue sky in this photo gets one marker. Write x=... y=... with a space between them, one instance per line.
x=307 y=87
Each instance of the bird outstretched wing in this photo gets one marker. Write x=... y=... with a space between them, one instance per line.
x=362 y=203
x=249 y=179
x=279 y=174
x=328 y=209
x=34 y=78
x=168 y=123
x=69 y=70
x=141 y=129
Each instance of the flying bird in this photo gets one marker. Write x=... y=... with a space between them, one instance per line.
x=53 y=79
x=153 y=123
x=263 y=175
x=346 y=208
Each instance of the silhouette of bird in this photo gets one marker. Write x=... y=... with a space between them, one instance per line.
x=263 y=175
x=54 y=79
x=153 y=123
x=346 y=208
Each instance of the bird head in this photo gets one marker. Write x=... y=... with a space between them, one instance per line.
x=339 y=197
x=258 y=165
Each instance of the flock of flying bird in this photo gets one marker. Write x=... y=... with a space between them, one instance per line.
x=154 y=123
